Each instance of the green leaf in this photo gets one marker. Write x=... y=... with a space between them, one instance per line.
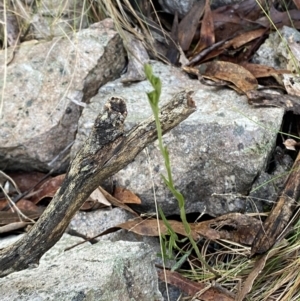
x=181 y=261
x=156 y=84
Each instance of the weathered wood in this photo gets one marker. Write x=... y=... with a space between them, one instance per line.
x=281 y=213
x=107 y=150
x=261 y=99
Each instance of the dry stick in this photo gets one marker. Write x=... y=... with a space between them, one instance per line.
x=281 y=214
x=262 y=99
x=107 y=150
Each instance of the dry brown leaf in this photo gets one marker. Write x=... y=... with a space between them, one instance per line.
x=206 y=55
x=188 y=25
x=236 y=227
x=48 y=188
x=258 y=267
x=244 y=38
x=98 y=196
x=297 y=3
x=22 y=204
x=232 y=19
x=26 y=181
x=148 y=227
x=289 y=18
x=7 y=217
x=244 y=228
x=89 y=205
x=240 y=77
x=247 y=9
x=3 y=203
x=192 y=288
x=207 y=37
x=116 y=202
x=25 y=205
x=95 y=201
x=226 y=24
x=260 y=71
x=126 y=196
x=188 y=286
x=235 y=22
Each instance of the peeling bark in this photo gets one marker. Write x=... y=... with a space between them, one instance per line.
x=107 y=150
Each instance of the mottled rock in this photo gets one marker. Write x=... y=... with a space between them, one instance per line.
x=55 y=18
x=274 y=51
x=103 y=271
x=172 y=6
x=90 y=224
x=137 y=57
x=182 y=7
x=45 y=87
x=218 y=150
x=28 y=20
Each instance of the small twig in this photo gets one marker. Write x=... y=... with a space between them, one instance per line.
x=204 y=52
x=13 y=205
x=60 y=155
x=11 y=180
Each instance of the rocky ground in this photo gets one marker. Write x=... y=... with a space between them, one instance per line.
x=53 y=90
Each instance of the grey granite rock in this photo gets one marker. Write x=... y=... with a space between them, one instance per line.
x=120 y=271
x=45 y=86
x=274 y=52
x=90 y=224
x=182 y=7
x=51 y=255
x=219 y=149
x=53 y=18
x=172 y=6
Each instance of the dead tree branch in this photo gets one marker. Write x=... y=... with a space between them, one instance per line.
x=107 y=150
x=281 y=214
